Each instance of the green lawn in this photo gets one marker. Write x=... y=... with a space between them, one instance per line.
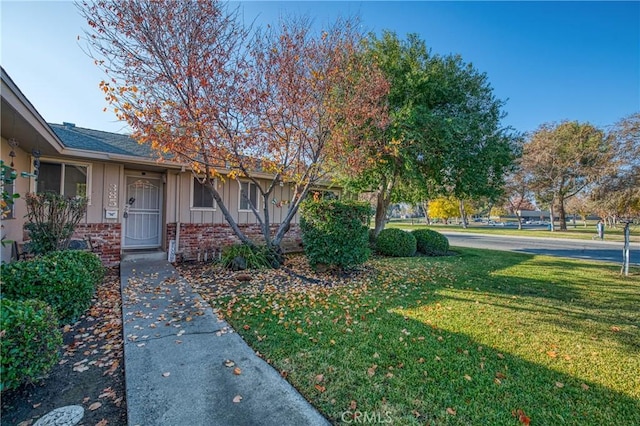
x=480 y=338
x=579 y=233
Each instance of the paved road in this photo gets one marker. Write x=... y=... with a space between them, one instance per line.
x=579 y=249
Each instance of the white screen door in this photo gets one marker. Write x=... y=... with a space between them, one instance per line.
x=143 y=222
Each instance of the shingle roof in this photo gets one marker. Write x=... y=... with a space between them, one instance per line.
x=99 y=141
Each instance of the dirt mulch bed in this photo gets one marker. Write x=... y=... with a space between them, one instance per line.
x=90 y=372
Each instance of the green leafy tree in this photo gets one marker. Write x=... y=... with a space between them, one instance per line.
x=444 y=135
x=563 y=160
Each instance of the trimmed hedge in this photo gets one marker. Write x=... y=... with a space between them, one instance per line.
x=430 y=242
x=65 y=280
x=396 y=243
x=335 y=232
x=30 y=341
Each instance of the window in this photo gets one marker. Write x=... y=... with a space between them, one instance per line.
x=248 y=194
x=201 y=197
x=63 y=178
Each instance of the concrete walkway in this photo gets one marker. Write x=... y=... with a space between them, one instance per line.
x=180 y=360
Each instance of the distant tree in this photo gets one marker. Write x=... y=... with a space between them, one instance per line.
x=517 y=191
x=580 y=205
x=618 y=194
x=444 y=208
x=563 y=160
x=292 y=106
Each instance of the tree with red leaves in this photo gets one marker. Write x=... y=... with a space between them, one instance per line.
x=281 y=103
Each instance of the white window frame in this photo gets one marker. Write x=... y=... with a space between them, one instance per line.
x=191 y=197
x=64 y=163
x=240 y=196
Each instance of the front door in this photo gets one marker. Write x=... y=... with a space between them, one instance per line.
x=142 y=224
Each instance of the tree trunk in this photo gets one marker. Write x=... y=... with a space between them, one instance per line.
x=551 y=213
x=383 y=200
x=463 y=215
x=562 y=214
x=519 y=221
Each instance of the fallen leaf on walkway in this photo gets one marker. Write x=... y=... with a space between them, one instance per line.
x=167 y=374
x=103 y=422
x=229 y=363
x=237 y=371
x=237 y=398
x=95 y=406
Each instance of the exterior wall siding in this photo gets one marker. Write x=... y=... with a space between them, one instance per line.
x=205 y=241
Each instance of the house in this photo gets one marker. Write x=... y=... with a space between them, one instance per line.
x=135 y=202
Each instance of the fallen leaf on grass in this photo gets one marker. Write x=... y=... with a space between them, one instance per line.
x=584 y=386
x=521 y=416
x=372 y=370
x=353 y=405
x=615 y=329
x=320 y=388
x=552 y=354
x=319 y=378
x=451 y=411
x=237 y=399
x=26 y=423
x=95 y=406
x=500 y=356
x=559 y=384
x=468 y=377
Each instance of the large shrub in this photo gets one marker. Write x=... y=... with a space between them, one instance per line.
x=396 y=243
x=431 y=242
x=335 y=232
x=60 y=278
x=30 y=341
x=51 y=220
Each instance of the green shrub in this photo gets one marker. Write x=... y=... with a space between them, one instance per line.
x=431 y=242
x=90 y=261
x=335 y=232
x=60 y=278
x=253 y=258
x=30 y=341
x=51 y=220
x=396 y=243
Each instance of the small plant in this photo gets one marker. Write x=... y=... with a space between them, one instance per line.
x=243 y=256
x=30 y=341
x=61 y=279
x=335 y=232
x=430 y=242
x=396 y=243
x=52 y=219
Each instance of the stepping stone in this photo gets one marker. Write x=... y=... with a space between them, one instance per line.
x=63 y=416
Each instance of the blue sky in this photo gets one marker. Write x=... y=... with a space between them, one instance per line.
x=550 y=61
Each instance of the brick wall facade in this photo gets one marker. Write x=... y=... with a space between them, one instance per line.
x=204 y=241
x=105 y=239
